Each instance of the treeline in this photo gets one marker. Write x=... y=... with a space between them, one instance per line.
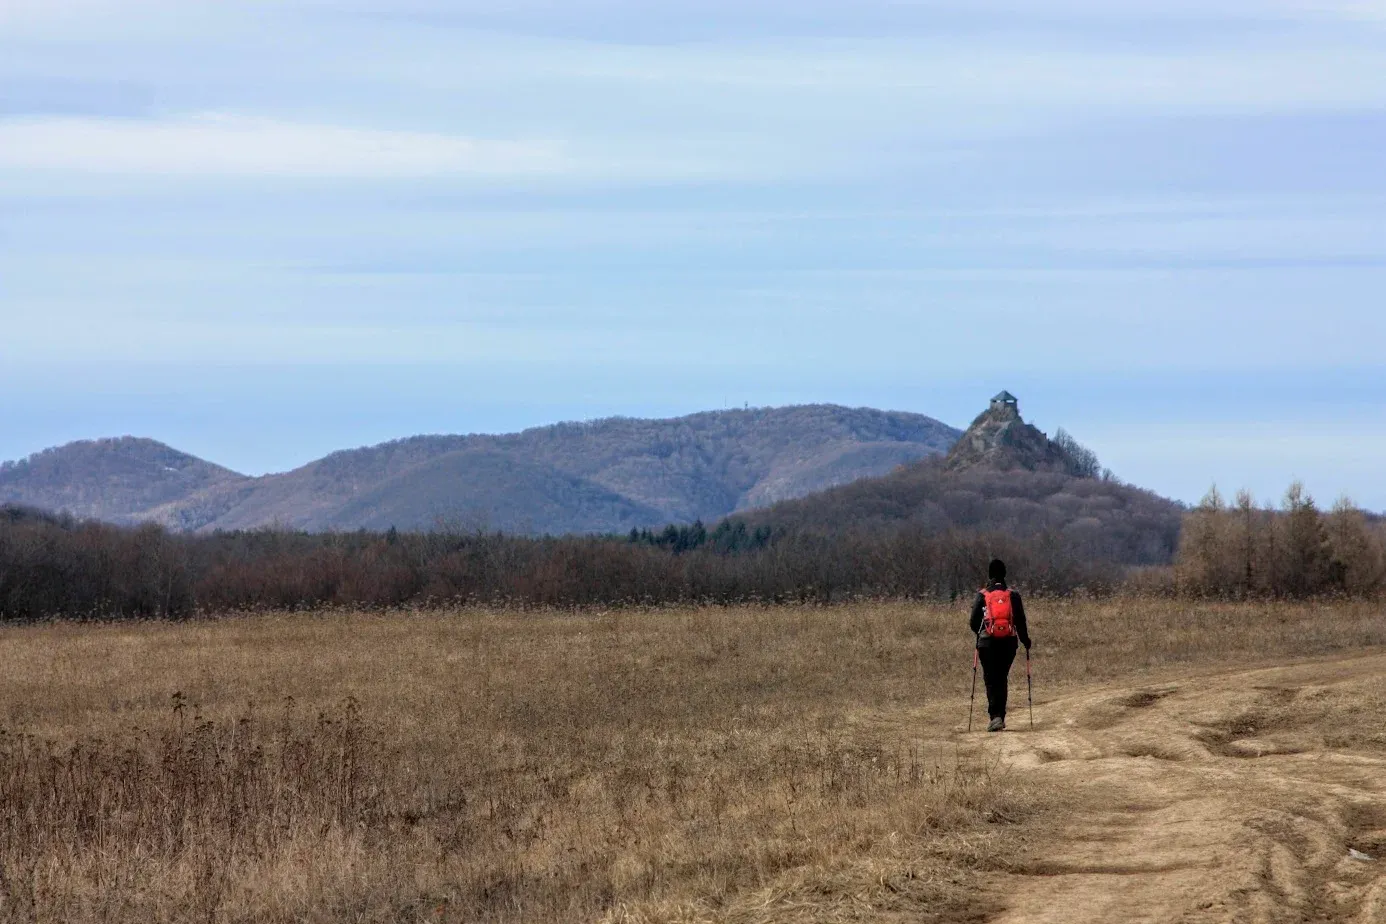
x=53 y=567
x=728 y=536
x=1243 y=550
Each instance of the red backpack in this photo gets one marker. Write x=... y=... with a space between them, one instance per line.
x=997 y=621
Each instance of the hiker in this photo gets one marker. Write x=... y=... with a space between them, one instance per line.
x=998 y=622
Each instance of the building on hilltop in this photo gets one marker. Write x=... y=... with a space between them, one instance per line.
x=1005 y=400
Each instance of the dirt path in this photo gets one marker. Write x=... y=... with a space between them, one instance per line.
x=1252 y=796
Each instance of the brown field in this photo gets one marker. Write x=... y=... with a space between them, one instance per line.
x=740 y=765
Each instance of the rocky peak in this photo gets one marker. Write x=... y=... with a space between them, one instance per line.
x=1000 y=440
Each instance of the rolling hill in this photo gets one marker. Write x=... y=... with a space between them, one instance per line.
x=1003 y=475
x=109 y=479
x=600 y=476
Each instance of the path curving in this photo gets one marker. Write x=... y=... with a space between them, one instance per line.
x=1251 y=796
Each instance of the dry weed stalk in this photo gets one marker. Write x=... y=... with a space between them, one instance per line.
x=741 y=765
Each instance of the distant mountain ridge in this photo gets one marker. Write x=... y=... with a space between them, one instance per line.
x=600 y=476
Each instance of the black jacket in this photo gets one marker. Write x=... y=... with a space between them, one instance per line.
x=1017 y=613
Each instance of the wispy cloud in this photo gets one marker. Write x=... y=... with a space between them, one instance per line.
x=1014 y=74
x=235 y=145
x=638 y=21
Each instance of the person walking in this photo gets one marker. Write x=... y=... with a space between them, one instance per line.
x=998 y=622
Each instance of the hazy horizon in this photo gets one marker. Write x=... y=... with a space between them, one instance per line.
x=262 y=232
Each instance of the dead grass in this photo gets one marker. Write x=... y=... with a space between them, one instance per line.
x=738 y=765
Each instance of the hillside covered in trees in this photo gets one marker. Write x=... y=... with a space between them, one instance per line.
x=1003 y=477
x=596 y=477
x=921 y=532
x=112 y=479
x=924 y=531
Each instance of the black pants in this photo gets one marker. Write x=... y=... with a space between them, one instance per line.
x=997 y=656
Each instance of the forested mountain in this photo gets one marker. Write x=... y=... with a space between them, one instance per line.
x=601 y=476
x=925 y=529
x=109 y=479
x=1003 y=476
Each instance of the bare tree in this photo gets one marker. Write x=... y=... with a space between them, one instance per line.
x=1305 y=546
x=1246 y=515
x=1356 y=564
x=1083 y=462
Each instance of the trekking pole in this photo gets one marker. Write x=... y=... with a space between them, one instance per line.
x=1029 y=688
x=973 y=701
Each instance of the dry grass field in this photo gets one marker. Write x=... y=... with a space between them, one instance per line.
x=739 y=765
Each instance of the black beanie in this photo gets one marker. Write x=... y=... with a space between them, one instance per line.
x=996 y=571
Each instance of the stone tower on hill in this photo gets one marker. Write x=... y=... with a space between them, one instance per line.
x=1000 y=440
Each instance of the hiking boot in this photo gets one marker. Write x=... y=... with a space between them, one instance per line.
x=997 y=724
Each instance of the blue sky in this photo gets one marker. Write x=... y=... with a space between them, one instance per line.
x=264 y=231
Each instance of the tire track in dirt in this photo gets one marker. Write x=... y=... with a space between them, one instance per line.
x=1252 y=796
